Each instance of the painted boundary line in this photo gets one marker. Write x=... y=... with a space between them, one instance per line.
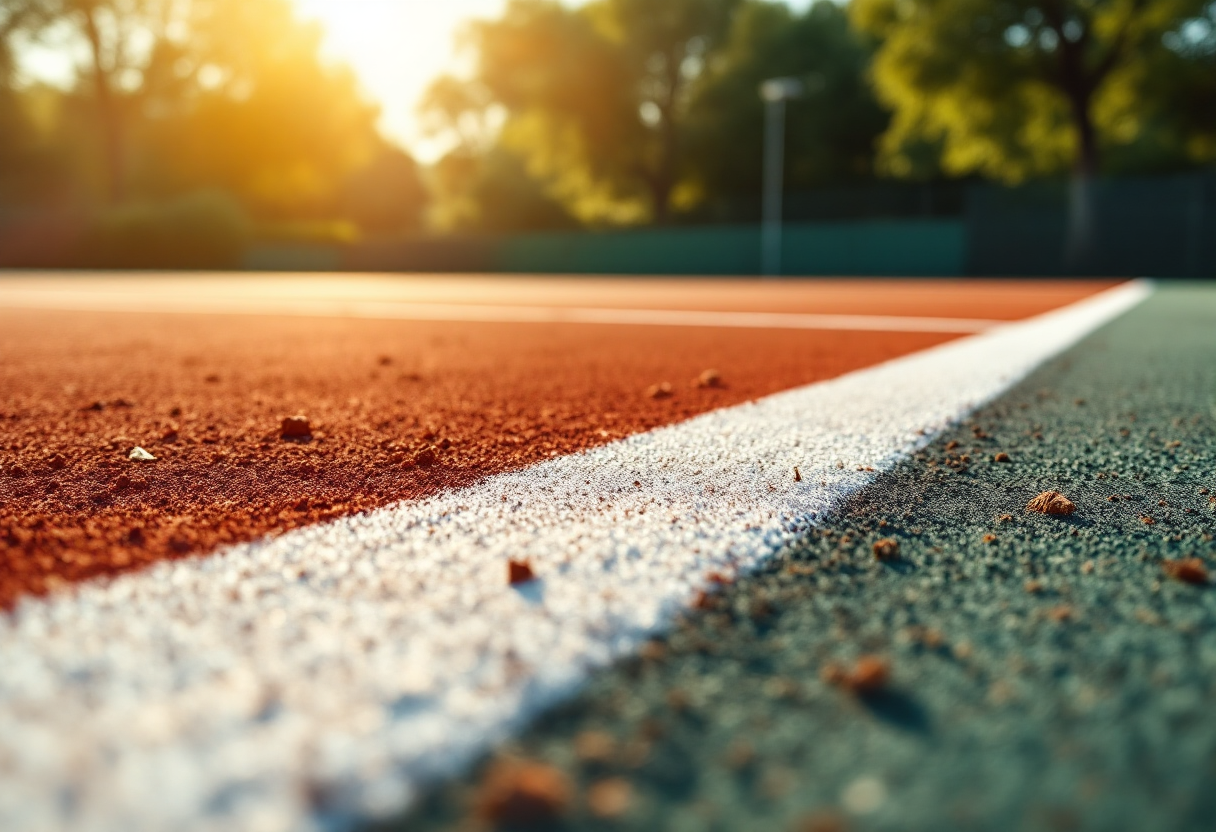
x=296 y=682
x=208 y=303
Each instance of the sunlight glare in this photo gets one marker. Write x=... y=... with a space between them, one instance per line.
x=397 y=47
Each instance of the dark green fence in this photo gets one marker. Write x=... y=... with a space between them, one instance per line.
x=908 y=247
x=1159 y=226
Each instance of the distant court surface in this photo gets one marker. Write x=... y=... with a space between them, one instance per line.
x=626 y=438
x=200 y=371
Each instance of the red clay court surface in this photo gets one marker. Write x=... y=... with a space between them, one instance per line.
x=206 y=395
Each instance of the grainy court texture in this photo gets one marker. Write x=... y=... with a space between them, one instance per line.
x=91 y=367
x=1039 y=672
x=792 y=577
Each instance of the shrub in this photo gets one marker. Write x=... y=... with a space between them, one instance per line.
x=204 y=230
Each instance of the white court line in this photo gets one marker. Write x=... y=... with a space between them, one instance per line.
x=153 y=300
x=369 y=656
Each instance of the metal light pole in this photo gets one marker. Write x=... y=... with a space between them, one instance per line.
x=775 y=92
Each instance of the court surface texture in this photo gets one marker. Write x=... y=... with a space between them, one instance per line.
x=604 y=553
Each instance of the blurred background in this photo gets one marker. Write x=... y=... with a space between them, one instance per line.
x=934 y=137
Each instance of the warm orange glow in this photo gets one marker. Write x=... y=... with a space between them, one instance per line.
x=397 y=47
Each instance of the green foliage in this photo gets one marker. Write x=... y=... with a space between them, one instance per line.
x=205 y=230
x=593 y=98
x=830 y=131
x=234 y=95
x=1015 y=88
x=386 y=196
x=1179 y=87
x=494 y=192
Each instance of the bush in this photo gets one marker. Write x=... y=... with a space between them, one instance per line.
x=205 y=230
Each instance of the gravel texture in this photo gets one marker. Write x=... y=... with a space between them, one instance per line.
x=396 y=410
x=294 y=682
x=1045 y=673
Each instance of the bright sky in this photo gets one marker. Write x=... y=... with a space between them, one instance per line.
x=396 y=47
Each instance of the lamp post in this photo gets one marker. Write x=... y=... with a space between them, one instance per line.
x=775 y=92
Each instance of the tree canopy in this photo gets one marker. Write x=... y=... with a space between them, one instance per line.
x=186 y=95
x=831 y=129
x=1017 y=88
x=592 y=99
x=595 y=113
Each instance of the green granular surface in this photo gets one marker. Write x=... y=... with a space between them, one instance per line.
x=1051 y=678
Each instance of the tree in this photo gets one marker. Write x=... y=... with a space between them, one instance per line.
x=1179 y=86
x=832 y=130
x=245 y=103
x=108 y=28
x=231 y=95
x=1012 y=88
x=666 y=45
x=592 y=98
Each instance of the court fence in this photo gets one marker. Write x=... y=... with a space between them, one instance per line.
x=1161 y=226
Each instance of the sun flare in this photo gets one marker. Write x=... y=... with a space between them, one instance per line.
x=397 y=47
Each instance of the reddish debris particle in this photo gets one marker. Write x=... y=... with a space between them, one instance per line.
x=869 y=675
x=213 y=378
x=384 y=360
x=296 y=427
x=951 y=445
x=709 y=378
x=519 y=572
x=990 y=538
x=1187 y=570
x=1052 y=502
x=1001 y=457
x=797 y=474
x=610 y=798
x=719 y=579
x=57 y=462
x=659 y=391
x=1060 y=614
x=1005 y=518
x=821 y=822
x=595 y=746
x=521 y=793
x=1033 y=587
x=1146 y=520
x=425 y=458
x=886 y=549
